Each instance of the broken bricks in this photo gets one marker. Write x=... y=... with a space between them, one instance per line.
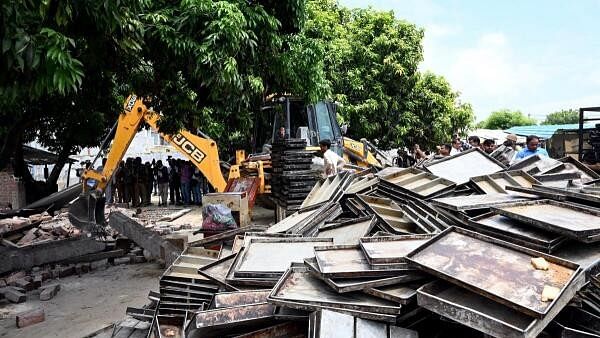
x=30 y=317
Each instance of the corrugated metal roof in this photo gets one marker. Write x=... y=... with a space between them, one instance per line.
x=545 y=131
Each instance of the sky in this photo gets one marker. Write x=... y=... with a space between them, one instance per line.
x=530 y=55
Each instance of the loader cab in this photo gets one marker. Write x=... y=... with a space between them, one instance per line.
x=312 y=122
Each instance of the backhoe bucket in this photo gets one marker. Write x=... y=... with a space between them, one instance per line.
x=86 y=212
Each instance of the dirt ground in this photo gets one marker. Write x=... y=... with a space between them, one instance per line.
x=85 y=304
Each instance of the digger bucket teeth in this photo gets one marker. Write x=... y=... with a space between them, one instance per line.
x=86 y=212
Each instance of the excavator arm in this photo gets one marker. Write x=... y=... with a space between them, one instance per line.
x=88 y=209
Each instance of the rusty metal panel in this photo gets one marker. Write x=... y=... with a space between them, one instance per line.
x=569 y=219
x=404 y=293
x=217 y=271
x=361 y=184
x=392 y=249
x=516 y=232
x=239 y=298
x=348 y=261
x=496 y=269
x=571 y=164
x=390 y=215
x=329 y=189
x=270 y=257
x=479 y=313
x=537 y=165
x=291 y=221
x=342 y=285
x=283 y=330
x=453 y=167
x=210 y=322
x=497 y=183
x=333 y=324
x=474 y=202
x=348 y=232
x=418 y=182
x=298 y=289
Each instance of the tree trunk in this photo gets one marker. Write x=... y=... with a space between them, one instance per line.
x=63 y=157
x=11 y=140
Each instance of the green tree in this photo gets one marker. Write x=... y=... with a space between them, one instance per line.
x=506 y=118
x=562 y=117
x=67 y=65
x=371 y=60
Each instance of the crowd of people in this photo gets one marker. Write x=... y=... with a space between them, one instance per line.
x=510 y=146
x=177 y=182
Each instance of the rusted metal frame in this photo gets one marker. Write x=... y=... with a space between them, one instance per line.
x=225 y=235
x=459 y=157
x=471 y=202
x=570 y=195
x=371 y=222
x=585 y=235
x=403 y=293
x=217 y=321
x=384 y=224
x=364 y=242
x=329 y=211
x=526 y=239
x=360 y=284
x=288 y=329
x=357 y=269
x=530 y=165
x=569 y=288
x=539 y=193
x=470 y=309
x=239 y=298
x=209 y=271
x=277 y=243
x=421 y=219
x=378 y=307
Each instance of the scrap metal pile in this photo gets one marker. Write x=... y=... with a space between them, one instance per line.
x=460 y=248
x=292 y=177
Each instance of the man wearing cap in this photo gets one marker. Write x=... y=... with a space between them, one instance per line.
x=533 y=148
x=333 y=162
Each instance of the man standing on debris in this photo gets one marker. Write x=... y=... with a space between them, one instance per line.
x=162 y=176
x=333 y=162
x=186 y=179
x=533 y=148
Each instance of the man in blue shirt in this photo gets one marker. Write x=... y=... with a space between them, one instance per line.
x=532 y=148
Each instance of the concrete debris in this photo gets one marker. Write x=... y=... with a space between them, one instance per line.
x=49 y=291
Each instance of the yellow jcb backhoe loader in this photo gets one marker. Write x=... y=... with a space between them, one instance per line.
x=88 y=209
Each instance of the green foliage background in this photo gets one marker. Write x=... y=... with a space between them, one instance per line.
x=505 y=119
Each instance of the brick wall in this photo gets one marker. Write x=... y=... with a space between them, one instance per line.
x=12 y=190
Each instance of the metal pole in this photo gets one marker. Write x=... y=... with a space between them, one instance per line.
x=580 y=150
x=69 y=174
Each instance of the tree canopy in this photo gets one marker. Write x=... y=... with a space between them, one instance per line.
x=370 y=63
x=565 y=116
x=505 y=119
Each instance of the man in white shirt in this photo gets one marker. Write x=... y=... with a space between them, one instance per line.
x=333 y=162
x=456 y=147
